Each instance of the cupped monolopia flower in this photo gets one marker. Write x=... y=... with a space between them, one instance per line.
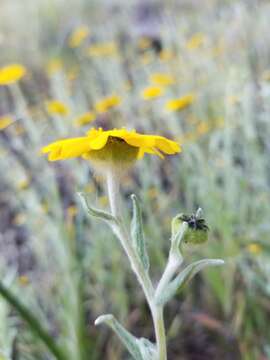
x=112 y=147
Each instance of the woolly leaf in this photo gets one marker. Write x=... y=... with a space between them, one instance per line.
x=137 y=233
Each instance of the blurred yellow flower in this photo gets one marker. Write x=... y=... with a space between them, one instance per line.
x=180 y=103
x=72 y=211
x=103 y=200
x=85 y=119
x=254 y=248
x=196 y=41
x=24 y=280
x=144 y=43
x=78 y=36
x=166 y=55
x=5 y=121
x=152 y=92
x=107 y=103
x=103 y=49
x=117 y=146
x=161 y=79
x=202 y=128
x=54 y=66
x=23 y=184
x=11 y=74
x=56 y=107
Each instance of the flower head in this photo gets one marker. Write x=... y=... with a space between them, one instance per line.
x=103 y=49
x=107 y=103
x=162 y=79
x=5 y=121
x=196 y=41
x=111 y=147
x=180 y=103
x=56 y=107
x=11 y=74
x=78 y=36
x=85 y=119
x=152 y=92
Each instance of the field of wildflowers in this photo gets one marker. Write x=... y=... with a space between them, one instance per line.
x=195 y=77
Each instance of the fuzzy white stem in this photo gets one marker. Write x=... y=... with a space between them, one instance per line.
x=136 y=265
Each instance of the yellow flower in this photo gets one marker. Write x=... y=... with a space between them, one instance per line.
x=166 y=55
x=78 y=36
x=180 y=103
x=196 y=41
x=54 y=66
x=144 y=43
x=111 y=147
x=56 y=107
x=202 y=128
x=85 y=119
x=107 y=103
x=103 y=49
x=23 y=184
x=254 y=248
x=11 y=73
x=152 y=92
x=24 y=280
x=5 y=121
x=161 y=79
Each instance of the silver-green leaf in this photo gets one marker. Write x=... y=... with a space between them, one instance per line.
x=184 y=276
x=137 y=233
x=128 y=340
x=103 y=215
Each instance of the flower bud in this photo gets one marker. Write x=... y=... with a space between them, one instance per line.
x=197 y=231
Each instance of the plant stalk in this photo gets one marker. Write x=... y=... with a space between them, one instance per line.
x=136 y=265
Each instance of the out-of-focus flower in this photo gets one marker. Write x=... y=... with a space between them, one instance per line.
x=111 y=147
x=5 y=121
x=254 y=249
x=23 y=184
x=152 y=92
x=202 y=128
x=107 y=103
x=85 y=119
x=11 y=74
x=56 y=107
x=161 y=79
x=105 y=49
x=103 y=200
x=144 y=43
x=78 y=36
x=196 y=41
x=23 y=280
x=54 y=66
x=180 y=103
x=166 y=55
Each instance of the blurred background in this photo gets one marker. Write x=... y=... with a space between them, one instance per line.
x=195 y=71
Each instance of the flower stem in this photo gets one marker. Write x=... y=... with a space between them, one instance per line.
x=136 y=265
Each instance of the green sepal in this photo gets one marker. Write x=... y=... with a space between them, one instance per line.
x=184 y=276
x=137 y=233
x=140 y=349
x=100 y=214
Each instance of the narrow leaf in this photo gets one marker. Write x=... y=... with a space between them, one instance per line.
x=103 y=215
x=185 y=275
x=129 y=341
x=137 y=233
x=34 y=324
